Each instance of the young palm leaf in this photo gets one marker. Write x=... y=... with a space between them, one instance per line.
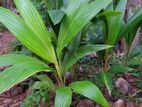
x=34 y=20
x=88 y=89
x=132 y=26
x=77 y=16
x=63 y=97
x=24 y=33
x=81 y=52
x=115 y=23
x=22 y=68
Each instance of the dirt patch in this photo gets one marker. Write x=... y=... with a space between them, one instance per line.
x=6 y=39
x=14 y=101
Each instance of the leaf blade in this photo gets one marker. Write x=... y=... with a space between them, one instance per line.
x=79 y=53
x=63 y=97
x=23 y=33
x=34 y=20
x=120 y=69
x=88 y=89
x=107 y=79
x=74 y=22
x=17 y=73
x=56 y=16
x=12 y=59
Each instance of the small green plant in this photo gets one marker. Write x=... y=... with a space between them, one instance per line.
x=130 y=29
x=37 y=93
x=60 y=49
x=114 y=28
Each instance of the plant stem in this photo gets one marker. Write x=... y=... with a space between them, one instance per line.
x=126 y=57
x=58 y=81
x=106 y=61
x=59 y=73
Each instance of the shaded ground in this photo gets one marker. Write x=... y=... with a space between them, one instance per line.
x=5 y=40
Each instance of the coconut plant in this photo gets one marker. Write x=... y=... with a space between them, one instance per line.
x=54 y=48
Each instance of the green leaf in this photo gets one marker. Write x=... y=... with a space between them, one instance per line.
x=132 y=26
x=24 y=33
x=115 y=23
x=109 y=14
x=63 y=97
x=47 y=81
x=77 y=17
x=107 y=79
x=120 y=69
x=12 y=59
x=135 y=61
x=56 y=16
x=38 y=85
x=51 y=4
x=73 y=5
x=34 y=20
x=88 y=89
x=81 y=52
x=19 y=72
x=135 y=52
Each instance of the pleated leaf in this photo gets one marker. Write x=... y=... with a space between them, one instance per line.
x=77 y=17
x=34 y=20
x=24 y=33
x=12 y=59
x=90 y=90
x=81 y=52
x=115 y=23
x=19 y=72
x=63 y=97
x=132 y=26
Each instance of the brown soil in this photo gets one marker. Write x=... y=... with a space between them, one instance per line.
x=5 y=40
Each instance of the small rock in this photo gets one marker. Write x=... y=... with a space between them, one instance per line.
x=68 y=78
x=140 y=105
x=81 y=69
x=123 y=85
x=119 y=103
x=93 y=55
x=2 y=68
x=85 y=103
x=130 y=104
